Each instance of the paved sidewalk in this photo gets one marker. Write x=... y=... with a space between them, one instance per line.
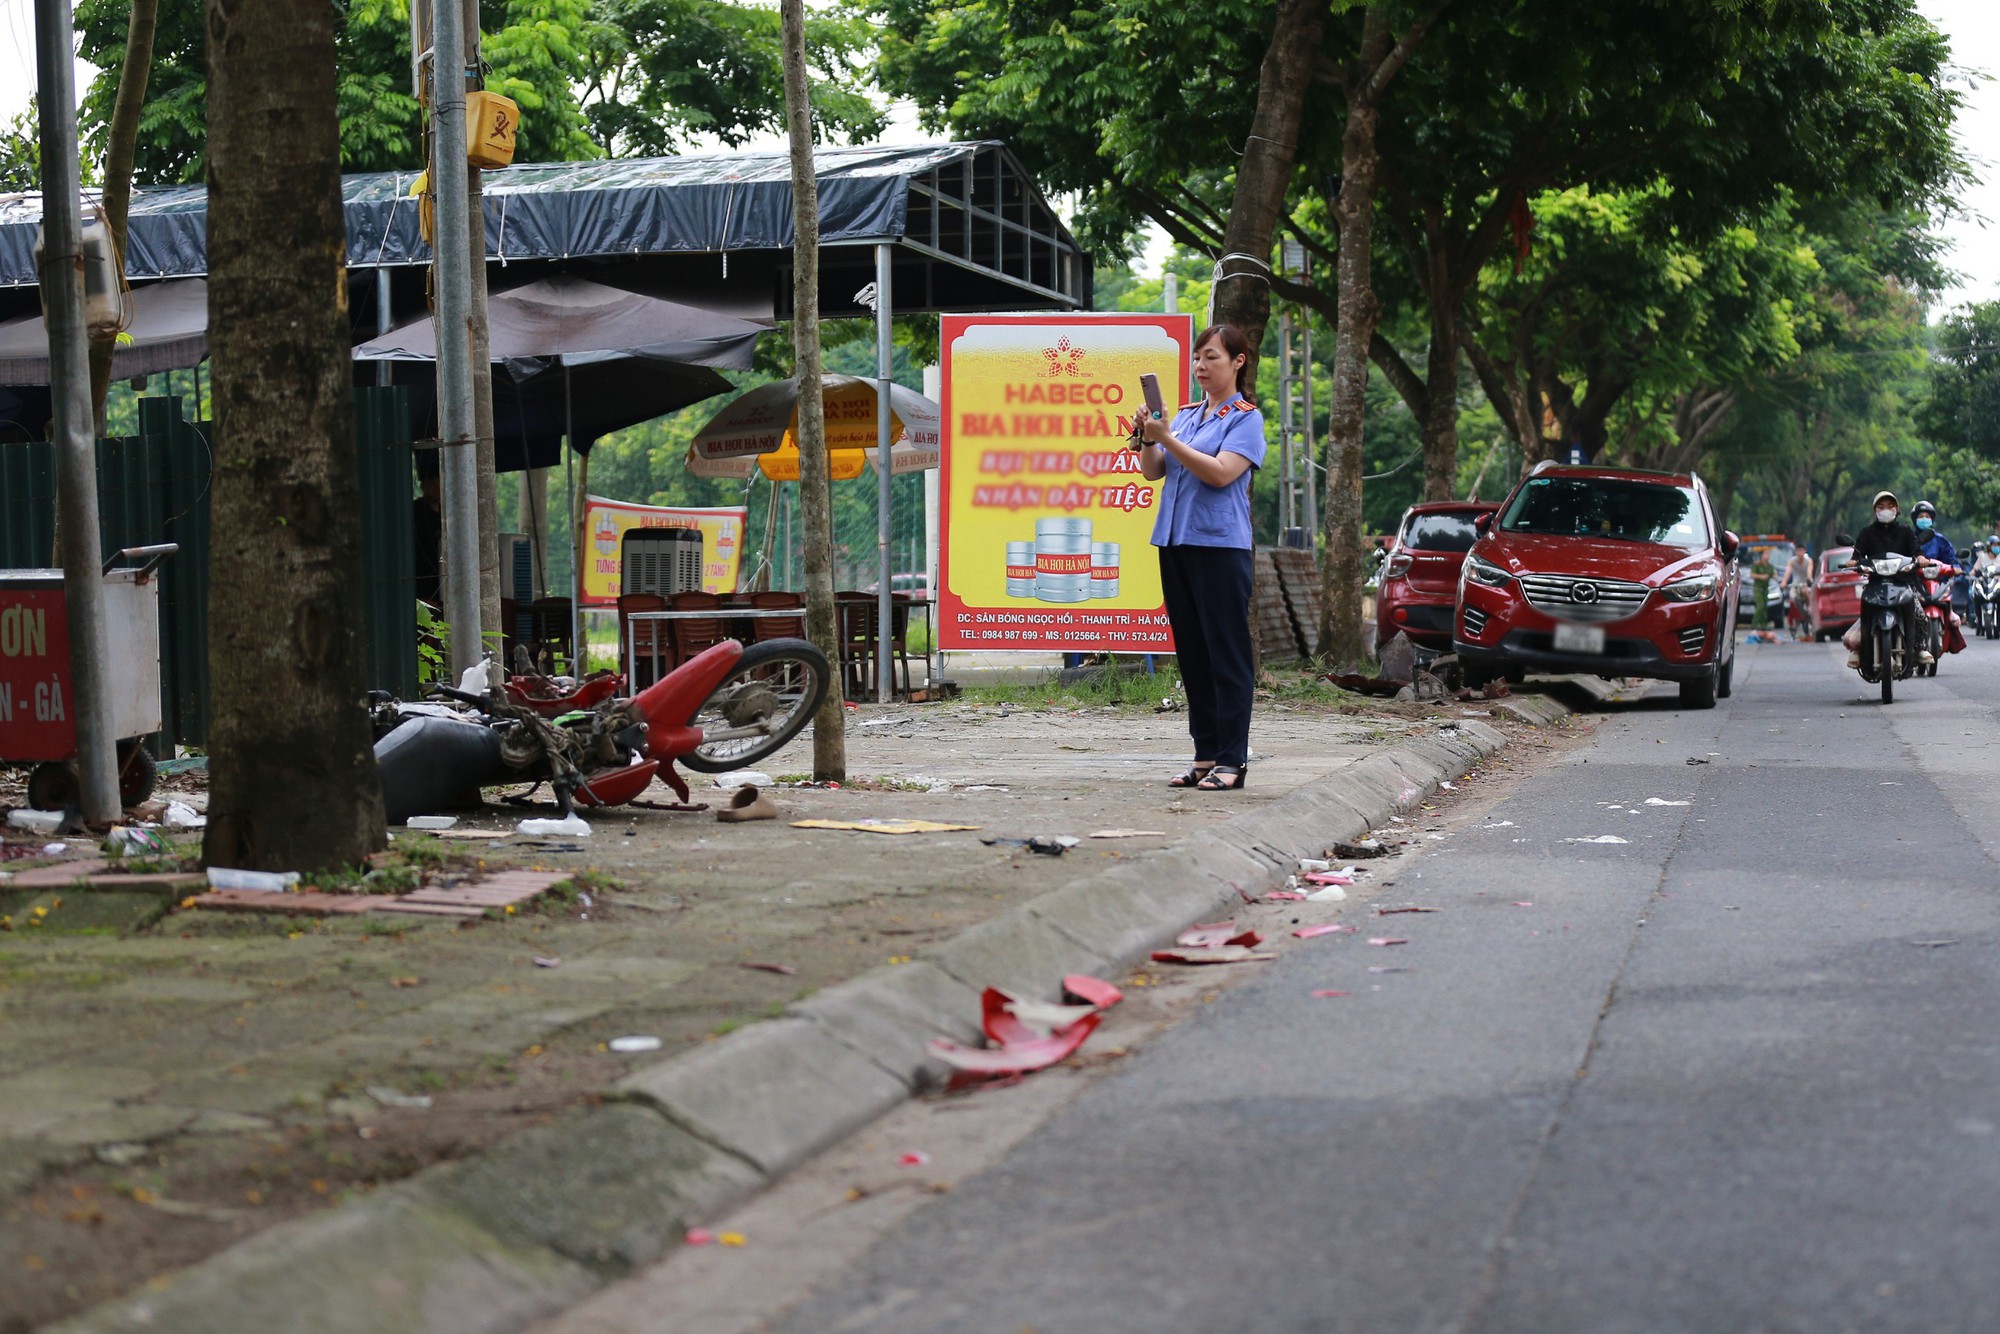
x=173 y=1082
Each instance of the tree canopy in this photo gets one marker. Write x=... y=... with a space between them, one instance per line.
x=593 y=78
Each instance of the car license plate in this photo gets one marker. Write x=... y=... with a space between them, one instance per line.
x=1579 y=639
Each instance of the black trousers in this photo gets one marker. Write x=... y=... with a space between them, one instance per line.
x=1208 y=605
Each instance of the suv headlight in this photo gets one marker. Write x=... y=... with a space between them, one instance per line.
x=1698 y=589
x=1486 y=572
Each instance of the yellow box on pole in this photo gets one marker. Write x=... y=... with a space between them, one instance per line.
x=490 y=123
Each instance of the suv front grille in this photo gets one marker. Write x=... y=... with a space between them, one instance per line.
x=1574 y=598
x=1694 y=638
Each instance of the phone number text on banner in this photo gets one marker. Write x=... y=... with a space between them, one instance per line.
x=1044 y=540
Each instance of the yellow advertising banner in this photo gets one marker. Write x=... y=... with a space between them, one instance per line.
x=1045 y=537
x=607 y=521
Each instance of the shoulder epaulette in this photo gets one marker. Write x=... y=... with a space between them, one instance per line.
x=1197 y=403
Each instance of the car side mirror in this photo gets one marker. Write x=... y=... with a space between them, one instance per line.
x=1482 y=523
x=1730 y=542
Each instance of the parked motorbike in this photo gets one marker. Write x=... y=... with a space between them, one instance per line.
x=1985 y=603
x=1885 y=600
x=726 y=707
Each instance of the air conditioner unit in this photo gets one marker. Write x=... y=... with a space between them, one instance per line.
x=660 y=560
x=517 y=567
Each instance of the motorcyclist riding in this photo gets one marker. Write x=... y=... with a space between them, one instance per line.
x=1934 y=545
x=1930 y=542
x=1884 y=537
x=1989 y=556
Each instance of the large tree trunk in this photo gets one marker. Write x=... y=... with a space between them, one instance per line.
x=815 y=492
x=1341 y=575
x=292 y=781
x=1439 y=422
x=121 y=142
x=1242 y=295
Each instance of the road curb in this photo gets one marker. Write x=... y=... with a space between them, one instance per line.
x=500 y=1241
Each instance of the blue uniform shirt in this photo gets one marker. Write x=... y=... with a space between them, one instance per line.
x=1193 y=513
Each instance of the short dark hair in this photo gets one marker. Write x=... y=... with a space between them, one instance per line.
x=1235 y=345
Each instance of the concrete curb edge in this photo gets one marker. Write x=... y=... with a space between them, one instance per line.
x=520 y=1233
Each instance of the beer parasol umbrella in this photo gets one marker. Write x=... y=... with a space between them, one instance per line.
x=758 y=430
x=760 y=426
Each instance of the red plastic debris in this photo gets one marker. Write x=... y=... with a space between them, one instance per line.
x=916 y=1158
x=1217 y=954
x=1324 y=929
x=1327 y=995
x=1206 y=935
x=699 y=1236
x=970 y=1064
x=1523 y=903
x=1041 y=1016
x=1092 y=990
x=1387 y=940
x=1284 y=896
x=999 y=1022
x=1327 y=878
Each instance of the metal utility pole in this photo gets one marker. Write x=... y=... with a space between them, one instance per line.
x=75 y=423
x=1311 y=524
x=1287 y=484
x=458 y=428
x=1299 y=489
x=884 y=355
x=491 y=576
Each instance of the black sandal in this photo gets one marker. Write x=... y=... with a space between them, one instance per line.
x=1240 y=773
x=1193 y=777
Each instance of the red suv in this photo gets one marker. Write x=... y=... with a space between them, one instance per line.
x=1608 y=571
x=1419 y=589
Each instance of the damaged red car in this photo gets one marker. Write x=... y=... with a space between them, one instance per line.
x=1419 y=588
x=1607 y=571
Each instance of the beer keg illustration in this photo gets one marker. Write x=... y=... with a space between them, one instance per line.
x=1020 y=569
x=1104 y=569
x=1062 y=560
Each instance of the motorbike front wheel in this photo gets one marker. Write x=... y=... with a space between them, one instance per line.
x=767 y=700
x=1885 y=665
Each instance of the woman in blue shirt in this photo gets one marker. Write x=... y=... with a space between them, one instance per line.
x=1203 y=533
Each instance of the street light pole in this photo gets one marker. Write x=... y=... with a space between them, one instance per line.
x=75 y=423
x=458 y=432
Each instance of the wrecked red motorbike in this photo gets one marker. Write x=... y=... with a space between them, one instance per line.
x=726 y=707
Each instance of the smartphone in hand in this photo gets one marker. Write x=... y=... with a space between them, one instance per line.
x=1149 y=385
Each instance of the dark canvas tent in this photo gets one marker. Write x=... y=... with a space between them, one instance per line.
x=574 y=358
x=967 y=227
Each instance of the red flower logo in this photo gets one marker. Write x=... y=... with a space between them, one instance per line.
x=1063 y=359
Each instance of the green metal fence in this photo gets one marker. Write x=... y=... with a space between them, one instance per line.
x=154 y=487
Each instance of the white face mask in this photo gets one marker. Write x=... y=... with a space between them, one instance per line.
x=1885 y=516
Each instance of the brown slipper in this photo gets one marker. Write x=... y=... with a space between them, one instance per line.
x=747 y=803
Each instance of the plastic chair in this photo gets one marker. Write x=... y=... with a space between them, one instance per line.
x=899 y=639
x=778 y=627
x=549 y=629
x=647 y=637
x=857 y=622
x=691 y=635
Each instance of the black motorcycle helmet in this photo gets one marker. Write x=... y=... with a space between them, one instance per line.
x=1923 y=507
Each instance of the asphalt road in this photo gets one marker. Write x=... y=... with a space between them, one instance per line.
x=1740 y=1072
